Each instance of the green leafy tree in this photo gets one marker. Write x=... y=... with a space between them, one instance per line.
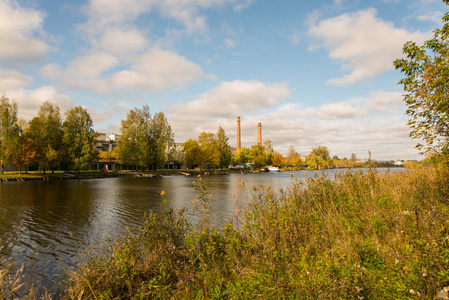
x=46 y=132
x=223 y=155
x=163 y=139
x=9 y=131
x=427 y=94
x=145 y=139
x=79 y=137
x=258 y=155
x=243 y=156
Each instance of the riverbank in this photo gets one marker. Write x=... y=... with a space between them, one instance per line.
x=61 y=175
x=363 y=235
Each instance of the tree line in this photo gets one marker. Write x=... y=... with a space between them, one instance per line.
x=46 y=140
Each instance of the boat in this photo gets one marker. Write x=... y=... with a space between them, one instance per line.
x=273 y=169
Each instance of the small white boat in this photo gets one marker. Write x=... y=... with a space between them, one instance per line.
x=273 y=169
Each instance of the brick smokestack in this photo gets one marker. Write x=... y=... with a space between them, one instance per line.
x=239 y=141
x=259 y=138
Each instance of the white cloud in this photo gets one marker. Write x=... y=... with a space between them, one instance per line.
x=12 y=79
x=235 y=97
x=18 y=29
x=104 y=13
x=381 y=100
x=29 y=100
x=434 y=16
x=120 y=42
x=363 y=43
x=221 y=106
x=154 y=70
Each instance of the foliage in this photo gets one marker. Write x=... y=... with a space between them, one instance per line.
x=425 y=84
x=208 y=146
x=145 y=138
x=243 y=156
x=278 y=160
x=292 y=155
x=210 y=150
x=223 y=155
x=79 y=137
x=296 y=162
x=363 y=235
x=192 y=153
x=26 y=151
x=321 y=151
x=9 y=131
x=45 y=130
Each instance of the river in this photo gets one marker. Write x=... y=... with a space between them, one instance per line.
x=47 y=225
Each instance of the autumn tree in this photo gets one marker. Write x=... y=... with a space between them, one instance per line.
x=292 y=154
x=45 y=130
x=427 y=90
x=321 y=151
x=296 y=162
x=192 y=153
x=319 y=158
x=79 y=137
x=208 y=146
x=9 y=131
x=278 y=160
x=26 y=151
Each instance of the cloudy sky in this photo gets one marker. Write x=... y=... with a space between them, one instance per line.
x=312 y=72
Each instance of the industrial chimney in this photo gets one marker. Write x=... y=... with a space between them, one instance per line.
x=259 y=139
x=238 y=135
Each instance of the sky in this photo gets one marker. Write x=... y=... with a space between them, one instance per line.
x=312 y=72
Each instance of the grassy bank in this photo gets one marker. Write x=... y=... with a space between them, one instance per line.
x=49 y=175
x=362 y=236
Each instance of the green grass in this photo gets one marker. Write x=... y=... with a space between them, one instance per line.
x=362 y=236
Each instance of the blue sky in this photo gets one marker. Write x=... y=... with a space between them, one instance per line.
x=312 y=72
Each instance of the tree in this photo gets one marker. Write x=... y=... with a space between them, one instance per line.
x=296 y=162
x=278 y=160
x=163 y=139
x=9 y=131
x=145 y=139
x=268 y=152
x=257 y=155
x=291 y=155
x=79 y=137
x=243 y=156
x=46 y=132
x=25 y=152
x=192 y=152
x=223 y=154
x=321 y=151
x=427 y=90
x=208 y=146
